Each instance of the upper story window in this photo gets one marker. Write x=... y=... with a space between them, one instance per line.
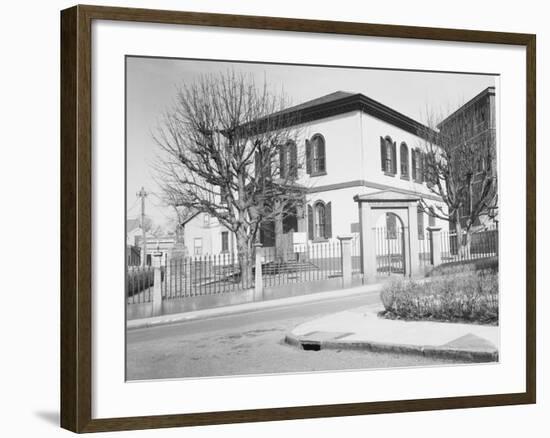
x=206 y=219
x=404 y=156
x=288 y=160
x=417 y=161
x=223 y=195
x=262 y=165
x=388 y=156
x=316 y=155
x=292 y=158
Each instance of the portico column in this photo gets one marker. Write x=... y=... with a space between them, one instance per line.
x=413 y=262
x=368 y=246
x=345 y=260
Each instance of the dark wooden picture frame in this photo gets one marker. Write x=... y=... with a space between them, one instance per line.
x=76 y=218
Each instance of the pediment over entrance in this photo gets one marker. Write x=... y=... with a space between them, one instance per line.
x=372 y=207
x=386 y=196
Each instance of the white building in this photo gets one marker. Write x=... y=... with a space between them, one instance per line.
x=204 y=235
x=353 y=145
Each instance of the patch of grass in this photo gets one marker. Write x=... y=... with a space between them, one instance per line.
x=463 y=296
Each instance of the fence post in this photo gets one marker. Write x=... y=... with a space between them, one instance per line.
x=345 y=256
x=435 y=243
x=157 y=287
x=258 y=282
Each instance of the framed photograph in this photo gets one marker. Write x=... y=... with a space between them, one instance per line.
x=268 y=218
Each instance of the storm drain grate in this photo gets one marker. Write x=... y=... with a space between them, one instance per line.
x=310 y=345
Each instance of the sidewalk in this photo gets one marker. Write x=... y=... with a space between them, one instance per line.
x=362 y=329
x=250 y=307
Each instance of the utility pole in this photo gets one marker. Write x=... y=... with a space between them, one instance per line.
x=143 y=194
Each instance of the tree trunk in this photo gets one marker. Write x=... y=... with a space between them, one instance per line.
x=244 y=254
x=280 y=241
x=463 y=239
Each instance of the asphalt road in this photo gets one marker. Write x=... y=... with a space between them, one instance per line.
x=249 y=343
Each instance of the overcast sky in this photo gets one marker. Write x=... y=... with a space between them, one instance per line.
x=152 y=84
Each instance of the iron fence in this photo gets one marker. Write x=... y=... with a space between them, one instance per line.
x=205 y=275
x=306 y=262
x=483 y=243
x=425 y=250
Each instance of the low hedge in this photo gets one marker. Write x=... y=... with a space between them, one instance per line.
x=469 y=296
x=139 y=279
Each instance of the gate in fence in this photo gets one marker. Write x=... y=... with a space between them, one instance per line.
x=390 y=250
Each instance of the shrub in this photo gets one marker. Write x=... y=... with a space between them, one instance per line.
x=139 y=279
x=467 y=296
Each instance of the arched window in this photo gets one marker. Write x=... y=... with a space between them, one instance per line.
x=320 y=214
x=288 y=160
x=417 y=165
x=404 y=156
x=320 y=220
x=292 y=159
x=283 y=161
x=388 y=156
x=316 y=155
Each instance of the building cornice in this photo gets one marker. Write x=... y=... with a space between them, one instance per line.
x=347 y=104
x=489 y=91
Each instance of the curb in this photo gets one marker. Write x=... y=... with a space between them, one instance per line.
x=251 y=307
x=419 y=350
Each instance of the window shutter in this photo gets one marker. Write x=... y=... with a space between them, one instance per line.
x=321 y=154
x=383 y=154
x=310 y=222
x=422 y=177
x=308 y=157
x=413 y=164
x=404 y=159
x=292 y=160
x=282 y=162
x=394 y=158
x=328 y=220
x=257 y=165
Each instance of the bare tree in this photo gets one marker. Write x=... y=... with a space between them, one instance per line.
x=458 y=165
x=222 y=145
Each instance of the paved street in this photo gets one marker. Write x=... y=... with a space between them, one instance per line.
x=249 y=343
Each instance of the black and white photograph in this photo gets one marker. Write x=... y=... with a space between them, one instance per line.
x=287 y=218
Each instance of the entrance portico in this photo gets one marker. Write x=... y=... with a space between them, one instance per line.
x=404 y=207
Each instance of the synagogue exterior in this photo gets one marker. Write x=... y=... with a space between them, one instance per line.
x=353 y=146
